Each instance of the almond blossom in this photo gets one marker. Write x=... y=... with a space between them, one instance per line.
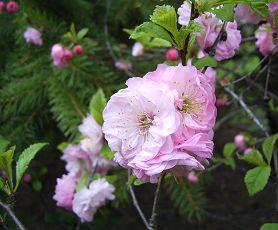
x=33 y=36
x=184 y=13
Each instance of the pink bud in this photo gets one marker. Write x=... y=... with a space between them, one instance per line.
x=240 y=141
x=68 y=54
x=4 y=175
x=222 y=101
x=78 y=50
x=248 y=150
x=192 y=177
x=172 y=55
x=123 y=65
x=12 y=7
x=2 y=6
x=27 y=178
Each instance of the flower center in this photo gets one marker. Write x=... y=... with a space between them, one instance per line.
x=190 y=106
x=145 y=122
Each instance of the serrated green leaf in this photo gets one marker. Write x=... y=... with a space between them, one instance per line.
x=3 y=186
x=166 y=17
x=6 y=160
x=97 y=105
x=256 y=179
x=151 y=30
x=225 y=13
x=229 y=162
x=253 y=157
x=24 y=160
x=82 y=33
x=269 y=146
x=106 y=152
x=200 y=63
x=260 y=8
x=269 y=226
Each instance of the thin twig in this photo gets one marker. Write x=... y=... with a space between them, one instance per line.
x=247 y=110
x=153 y=223
x=7 y=209
x=267 y=79
x=136 y=204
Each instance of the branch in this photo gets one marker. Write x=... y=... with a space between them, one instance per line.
x=153 y=224
x=7 y=209
x=247 y=110
x=136 y=204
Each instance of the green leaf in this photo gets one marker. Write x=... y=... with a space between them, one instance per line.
x=260 y=8
x=229 y=149
x=229 y=162
x=200 y=63
x=269 y=226
x=3 y=144
x=37 y=185
x=83 y=181
x=131 y=181
x=24 y=160
x=166 y=17
x=225 y=13
x=138 y=182
x=106 y=152
x=269 y=146
x=62 y=146
x=97 y=105
x=3 y=186
x=151 y=30
x=191 y=42
x=6 y=160
x=82 y=33
x=253 y=157
x=256 y=179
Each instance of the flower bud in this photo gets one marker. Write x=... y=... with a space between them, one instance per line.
x=172 y=55
x=78 y=50
x=12 y=7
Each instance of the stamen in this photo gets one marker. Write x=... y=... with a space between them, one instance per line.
x=145 y=122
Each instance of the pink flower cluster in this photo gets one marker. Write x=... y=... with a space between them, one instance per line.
x=227 y=45
x=33 y=36
x=10 y=7
x=162 y=122
x=244 y=13
x=265 y=41
x=62 y=55
x=79 y=159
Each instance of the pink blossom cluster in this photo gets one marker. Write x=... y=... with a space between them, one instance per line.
x=265 y=33
x=240 y=142
x=62 y=55
x=162 y=122
x=227 y=45
x=33 y=36
x=10 y=7
x=81 y=158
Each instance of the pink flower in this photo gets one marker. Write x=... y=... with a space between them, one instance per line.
x=76 y=159
x=273 y=10
x=87 y=201
x=264 y=37
x=78 y=50
x=225 y=49
x=2 y=6
x=162 y=122
x=138 y=119
x=211 y=26
x=27 y=178
x=184 y=13
x=192 y=177
x=240 y=142
x=172 y=55
x=123 y=65
x=33 y=36
x=12 y=7
x=195 y=97
x=137 y=49
x=64 y=191
x=58 y=55
x=93 y=133
x=245 y=14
